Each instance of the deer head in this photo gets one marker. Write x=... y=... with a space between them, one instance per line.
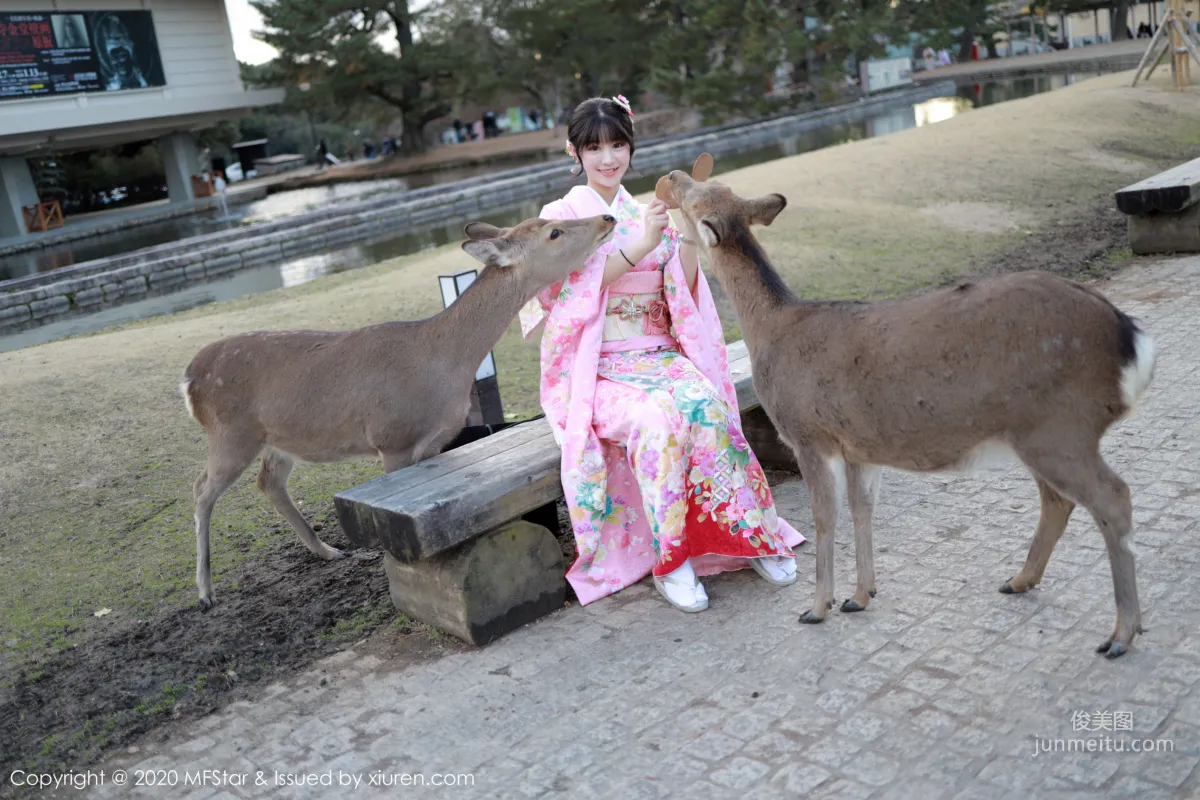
x=711 y=211
x=539 y=251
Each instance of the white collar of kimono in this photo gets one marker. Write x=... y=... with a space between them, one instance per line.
x=612 y=207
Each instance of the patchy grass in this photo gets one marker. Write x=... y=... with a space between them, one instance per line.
x=95 y=486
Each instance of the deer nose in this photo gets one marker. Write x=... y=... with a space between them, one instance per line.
x=609 y=218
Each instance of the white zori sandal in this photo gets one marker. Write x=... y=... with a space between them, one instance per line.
x=682 y=589
x=776 y=570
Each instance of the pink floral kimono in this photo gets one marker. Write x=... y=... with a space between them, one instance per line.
x=636 y=388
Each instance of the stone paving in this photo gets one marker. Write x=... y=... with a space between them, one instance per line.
x=939 y=690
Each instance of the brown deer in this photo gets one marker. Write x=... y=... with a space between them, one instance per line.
x=397 y=390
x=1028 y=364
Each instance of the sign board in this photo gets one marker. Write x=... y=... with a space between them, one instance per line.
x=877 y=74
x=453 y=286
x=43 y=54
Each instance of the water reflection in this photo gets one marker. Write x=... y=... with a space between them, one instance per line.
x=271 y=207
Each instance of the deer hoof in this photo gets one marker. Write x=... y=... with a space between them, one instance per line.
x=1115 y=650
x=809 y=618
x=334 y=554
x=206 y=603
x=852 y=605
x=872 y=593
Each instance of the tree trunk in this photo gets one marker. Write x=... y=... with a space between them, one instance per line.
x=412 y=141
x=991 y=47
x=965 y=40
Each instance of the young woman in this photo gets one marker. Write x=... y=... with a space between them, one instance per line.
x=657 y=474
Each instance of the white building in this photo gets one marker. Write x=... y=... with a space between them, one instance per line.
x=80 y=74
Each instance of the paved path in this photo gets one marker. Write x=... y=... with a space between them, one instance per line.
x=939 y=690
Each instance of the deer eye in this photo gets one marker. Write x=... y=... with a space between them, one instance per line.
x=554 y=234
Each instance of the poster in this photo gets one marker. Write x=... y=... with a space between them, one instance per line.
x=70 y=52
x=878 y=74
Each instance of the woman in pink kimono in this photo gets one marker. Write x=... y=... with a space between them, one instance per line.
x=635 y=385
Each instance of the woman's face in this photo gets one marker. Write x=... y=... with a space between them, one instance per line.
x=605 y=163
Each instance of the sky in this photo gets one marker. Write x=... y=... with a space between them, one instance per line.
x=242 y=20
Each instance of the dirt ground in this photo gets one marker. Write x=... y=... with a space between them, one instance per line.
x=100 y=635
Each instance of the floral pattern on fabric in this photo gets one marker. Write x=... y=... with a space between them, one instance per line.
x=615 y=542
x=702 y=489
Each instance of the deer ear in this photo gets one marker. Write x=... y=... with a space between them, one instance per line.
x=763 y=210
x=709 y=229
x=481 y=230
x=487 y=252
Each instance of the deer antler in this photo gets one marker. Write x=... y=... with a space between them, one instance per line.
x=701 y=171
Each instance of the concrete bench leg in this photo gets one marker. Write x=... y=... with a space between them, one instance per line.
x=764 y=440
x=486 y=587
x=1158 y=232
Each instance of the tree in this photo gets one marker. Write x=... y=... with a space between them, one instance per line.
x=959 y=22
x=824 y=34
x=579 y=48
x=379 y=50
x=721 y=56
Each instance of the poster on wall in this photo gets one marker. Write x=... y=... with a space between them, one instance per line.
x=72 y=52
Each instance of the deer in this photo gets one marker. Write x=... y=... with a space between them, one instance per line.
x=398 y=391
x=1026 y=364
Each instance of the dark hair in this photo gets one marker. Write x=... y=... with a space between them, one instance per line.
x=598 y=120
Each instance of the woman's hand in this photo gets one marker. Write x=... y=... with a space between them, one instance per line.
x=655 y=219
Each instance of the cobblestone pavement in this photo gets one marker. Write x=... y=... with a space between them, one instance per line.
x=939 y=690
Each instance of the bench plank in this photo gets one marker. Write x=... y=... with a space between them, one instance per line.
x=430 y=507
x=1170 y=191
x=460 y=458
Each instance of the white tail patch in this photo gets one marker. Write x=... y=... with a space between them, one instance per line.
x=187 y=398
x=1136 y=375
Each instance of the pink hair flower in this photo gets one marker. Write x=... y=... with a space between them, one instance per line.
x=623 y=103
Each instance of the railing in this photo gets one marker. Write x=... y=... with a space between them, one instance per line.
x=43 y=216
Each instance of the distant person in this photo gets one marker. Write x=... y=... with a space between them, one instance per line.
x=929 y=57
x=458 y=130
x=943 y=58
x=322 y=154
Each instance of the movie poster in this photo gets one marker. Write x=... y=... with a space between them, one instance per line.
x=72 y=52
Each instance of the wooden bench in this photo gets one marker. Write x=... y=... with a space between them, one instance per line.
x=1164 y=211
x=467 y=544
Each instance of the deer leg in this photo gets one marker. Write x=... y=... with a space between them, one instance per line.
x=1056 y=511
x=272 y=481
x=1084 y=478
x=862 y=487
x=227 y=459
x=823 y=478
